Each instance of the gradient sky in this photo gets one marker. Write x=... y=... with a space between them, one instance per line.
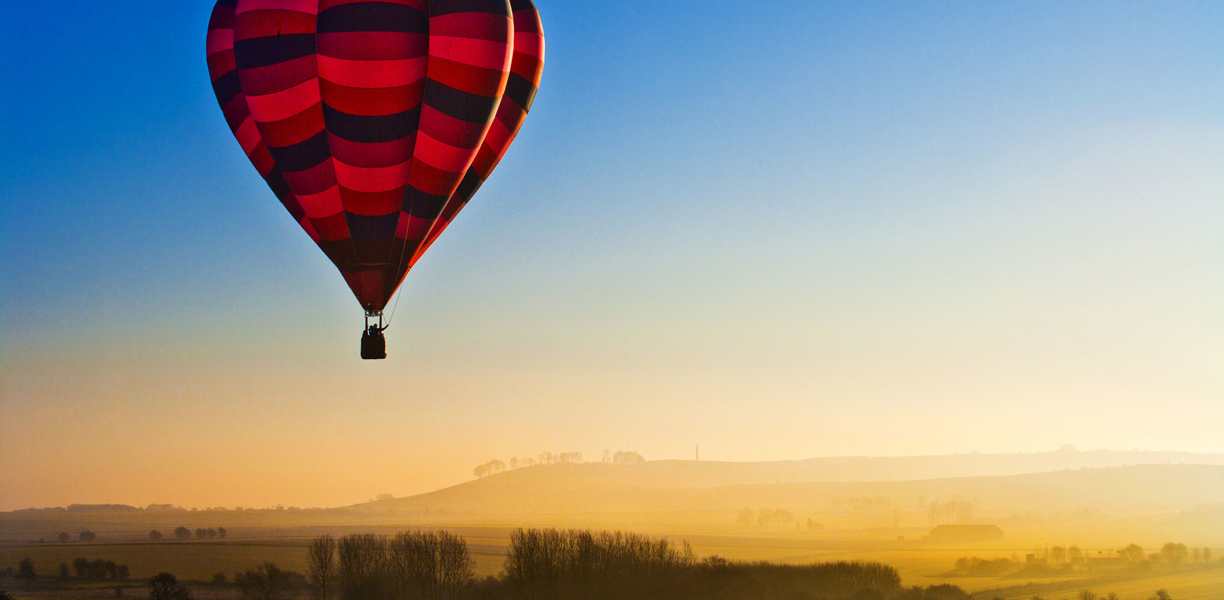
x=780 y=230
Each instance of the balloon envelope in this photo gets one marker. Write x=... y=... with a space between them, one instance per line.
x=374 y=123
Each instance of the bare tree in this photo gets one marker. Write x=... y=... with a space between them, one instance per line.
x=455 y=565
x=627 y=458
x=321 y=568
x=1133 y=553
x=1174 y=554
x=362 y=567
x=25 y=571
x=1058 y=554
x=264 y=582
x=165 y=586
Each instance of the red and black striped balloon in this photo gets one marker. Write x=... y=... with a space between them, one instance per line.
x=374 y=123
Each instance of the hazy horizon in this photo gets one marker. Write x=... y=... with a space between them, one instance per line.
x=598 y=458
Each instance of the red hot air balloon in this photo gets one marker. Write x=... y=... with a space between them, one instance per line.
x=375 y=123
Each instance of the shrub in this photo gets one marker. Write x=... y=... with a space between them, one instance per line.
x=165 y=586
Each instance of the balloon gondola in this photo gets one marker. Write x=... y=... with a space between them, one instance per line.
x=375 y=122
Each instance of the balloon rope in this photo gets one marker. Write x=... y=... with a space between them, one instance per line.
x=398 y=295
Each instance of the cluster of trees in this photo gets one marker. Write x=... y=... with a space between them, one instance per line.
x=563 y=565
x=267 y=582
x=1073 y=555
x=96 y=570
x=408 y=566
x=84 y=535
x=1169 y=554
x=980 y=567
x=183 y=533
x=495 y=466
x=165 y=586
x=950 y=512
x=768 y=517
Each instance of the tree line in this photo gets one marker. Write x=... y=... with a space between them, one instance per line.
x=495 y=466
x=574 y=564
x=84 y=535
x=183 y=533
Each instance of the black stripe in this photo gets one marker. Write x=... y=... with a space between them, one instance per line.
x=457 y=104
x=446 y=7
x=421 y=205
x=339 y=251
x=517 y=5
x=468 y=187
x=373 y=228
x=303 y=155
x=521 y=91
x=373 y=255
x=373 y=16
x=226 y=87
x=274 y=49
x=276 y=181
x=371 y=129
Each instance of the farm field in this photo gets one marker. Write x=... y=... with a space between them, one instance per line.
x=198 y=561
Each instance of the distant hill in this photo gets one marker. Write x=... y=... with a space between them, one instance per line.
x=667 y=487
x=679 y=473
x=1063 y=479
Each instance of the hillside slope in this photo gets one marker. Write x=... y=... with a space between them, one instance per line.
x=598 y=488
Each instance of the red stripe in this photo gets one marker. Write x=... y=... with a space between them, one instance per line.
x=443 y=156
x=305 y=6
x=372 y=179
x=282 y=76
x=527 y=67
x=372 y=73
x=371 y=101
x=476 y=25
x=326 y=4
x=449 y=129
x=312 y=180
x=466 y=78
x=432 y=181
x=285 y=103
x=323 y=204
x=531 y=44
x=221 y=64
x=295 y=129
x=271 y=23
x=373 y=204
x=477 y=53
x=219 y=40
x=333 y=228
x=372 y=155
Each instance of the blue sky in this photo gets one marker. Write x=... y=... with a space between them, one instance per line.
x=764 y=229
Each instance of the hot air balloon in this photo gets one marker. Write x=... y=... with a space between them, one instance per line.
x=374 y=123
